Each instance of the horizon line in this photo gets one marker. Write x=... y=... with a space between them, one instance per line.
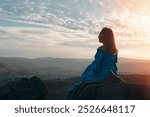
x=67 y=57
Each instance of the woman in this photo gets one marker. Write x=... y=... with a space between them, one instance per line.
x=105 y=60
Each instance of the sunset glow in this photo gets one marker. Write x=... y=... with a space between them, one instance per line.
x=43 y=28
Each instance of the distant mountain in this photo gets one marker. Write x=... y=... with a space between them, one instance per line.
x=133 y=66
x=53 y=68
x=46 y=68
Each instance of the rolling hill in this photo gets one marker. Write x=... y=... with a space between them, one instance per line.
x=54 y=68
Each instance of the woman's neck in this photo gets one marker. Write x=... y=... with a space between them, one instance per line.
x=103 y=47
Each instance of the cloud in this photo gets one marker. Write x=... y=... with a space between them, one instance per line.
x=3 y=32
x=37 y=28
x=34 y=31
x=43 y=42
x=83 y=44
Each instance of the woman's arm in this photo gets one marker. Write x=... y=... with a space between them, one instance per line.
x=96 y=64
x=94 y=67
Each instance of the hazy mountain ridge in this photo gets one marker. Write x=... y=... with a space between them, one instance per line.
x=53 y=68
x=46 y=68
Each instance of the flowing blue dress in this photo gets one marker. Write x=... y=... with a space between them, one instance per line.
x=99 y=69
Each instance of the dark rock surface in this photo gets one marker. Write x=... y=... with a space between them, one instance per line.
x=140 y=90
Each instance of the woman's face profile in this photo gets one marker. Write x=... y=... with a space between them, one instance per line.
x=101 y=37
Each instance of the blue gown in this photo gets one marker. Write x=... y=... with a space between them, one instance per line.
x=99 y=69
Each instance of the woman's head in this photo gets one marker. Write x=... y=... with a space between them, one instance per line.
x=106 y=37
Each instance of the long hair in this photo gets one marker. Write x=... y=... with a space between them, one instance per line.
x=109 y=40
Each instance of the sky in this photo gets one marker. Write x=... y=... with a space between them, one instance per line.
x=69 y=28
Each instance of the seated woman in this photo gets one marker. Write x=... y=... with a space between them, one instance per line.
x=105 y=60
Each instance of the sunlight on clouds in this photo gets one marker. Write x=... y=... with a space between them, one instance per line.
x=70 y=28
x=132 y=52
x=45 y=42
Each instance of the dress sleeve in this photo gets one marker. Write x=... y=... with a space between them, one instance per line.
x=96 y=64
x=94 y=67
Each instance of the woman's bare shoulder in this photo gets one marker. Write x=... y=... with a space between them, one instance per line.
x=101 y=48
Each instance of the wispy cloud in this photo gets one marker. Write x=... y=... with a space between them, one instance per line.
x=43 y=28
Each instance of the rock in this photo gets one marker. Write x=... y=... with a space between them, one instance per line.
x=24 y=89
x=113 y=88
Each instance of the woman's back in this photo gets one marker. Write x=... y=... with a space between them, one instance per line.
x=100 y=67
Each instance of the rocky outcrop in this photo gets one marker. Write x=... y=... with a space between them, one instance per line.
x=24 y=89
x=113 y=88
